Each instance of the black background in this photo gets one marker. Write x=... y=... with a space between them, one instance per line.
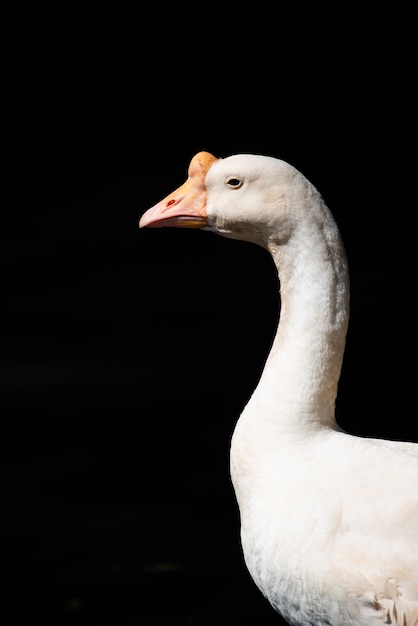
x=127 y=355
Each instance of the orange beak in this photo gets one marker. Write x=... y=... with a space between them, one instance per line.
x=185 y=207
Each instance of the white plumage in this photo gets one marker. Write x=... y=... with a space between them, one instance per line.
x=329 y=521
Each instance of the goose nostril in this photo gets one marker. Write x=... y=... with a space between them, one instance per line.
x=170 y=202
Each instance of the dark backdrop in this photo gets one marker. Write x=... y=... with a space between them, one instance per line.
x=127 y=355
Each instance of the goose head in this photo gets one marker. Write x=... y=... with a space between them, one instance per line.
x=244 y=196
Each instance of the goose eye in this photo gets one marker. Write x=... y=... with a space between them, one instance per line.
x=233 y=182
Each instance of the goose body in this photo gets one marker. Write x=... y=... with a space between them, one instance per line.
x=329 y=521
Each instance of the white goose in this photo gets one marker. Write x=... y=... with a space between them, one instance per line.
x=329 y=521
